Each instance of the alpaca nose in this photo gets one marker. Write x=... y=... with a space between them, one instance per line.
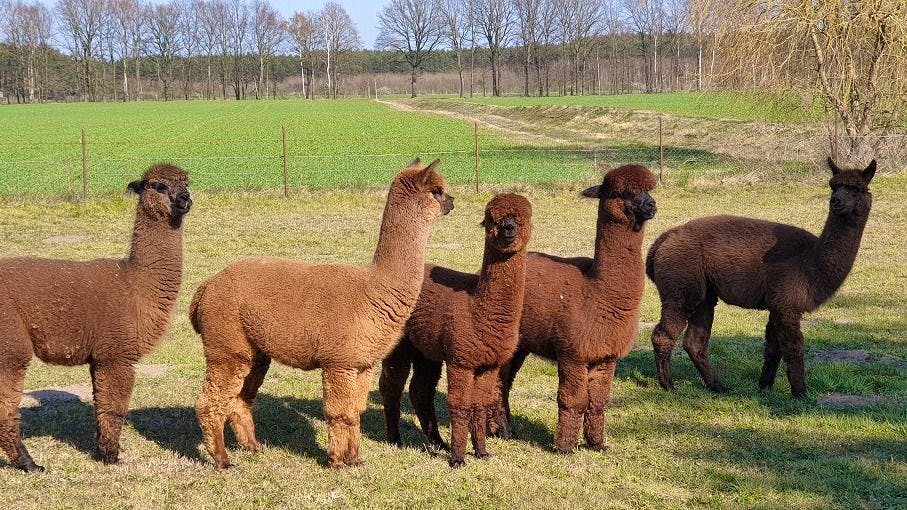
x=509 y=228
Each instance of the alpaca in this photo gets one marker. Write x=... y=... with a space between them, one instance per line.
x=584 y=312
x=107 y=313
x=469 y=321
x=339 y=318
x=758 y=265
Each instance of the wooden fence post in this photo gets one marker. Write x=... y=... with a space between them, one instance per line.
x=478 y=161
x=283 y=143
x=661 y=150
x=84 y=165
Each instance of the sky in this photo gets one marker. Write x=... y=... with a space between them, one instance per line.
x=363 y=12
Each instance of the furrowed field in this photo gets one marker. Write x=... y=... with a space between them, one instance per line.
x=845 y=446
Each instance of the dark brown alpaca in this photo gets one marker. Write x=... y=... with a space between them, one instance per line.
x=469 y=321
x=339 y=318
x=758 y=265
x=584 y=312
x=107 y=313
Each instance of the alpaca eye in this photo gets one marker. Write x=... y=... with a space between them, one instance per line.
x=436 y=194
x=160 y=187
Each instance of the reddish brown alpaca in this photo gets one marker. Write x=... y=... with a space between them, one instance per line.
x=339 y=318
x=471 y=322
x=107 y=313
x=583 y=312
x=758 y=265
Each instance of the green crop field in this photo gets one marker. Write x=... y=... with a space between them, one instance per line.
x=237 y=145
x=844 y=446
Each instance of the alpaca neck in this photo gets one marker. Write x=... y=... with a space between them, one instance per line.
x=400 y=253
x=157 y=255
x=835 y=253
x=499 y=292
x=616 y=247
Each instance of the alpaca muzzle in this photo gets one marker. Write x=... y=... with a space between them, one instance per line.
x=182 y=203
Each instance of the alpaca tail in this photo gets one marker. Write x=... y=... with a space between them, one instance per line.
x=193 y=306
x=650 y=257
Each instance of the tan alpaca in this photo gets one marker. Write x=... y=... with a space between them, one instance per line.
x=107 y=312
x=339 y=318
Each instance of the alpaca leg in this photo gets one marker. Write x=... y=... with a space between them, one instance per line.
x=664 y=336
x=792 y=350
x=340 y=411
x=486 y=397
x=13 y=378
x=696 y=343
x=772 y=352
x=223 y=383
x=600 y=379
x=422 y=390
x=502 y=420
x=394 y=372
x=363 y=385
x=112 y=382
x=572 y=402
x=241 y=416
x=460 y=382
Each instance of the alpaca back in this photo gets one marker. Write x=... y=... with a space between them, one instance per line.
x=64 y=306
x=738 y=259
x=443 y=302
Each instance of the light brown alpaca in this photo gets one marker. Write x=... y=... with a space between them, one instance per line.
x=584 y=312
x=469 y=321
x=107 y=313
x=339 y=318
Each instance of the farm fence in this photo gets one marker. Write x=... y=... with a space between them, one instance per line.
x=85 y=165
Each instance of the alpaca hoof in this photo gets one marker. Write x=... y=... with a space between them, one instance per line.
x=717 y=388
x=799 y=395
x=564 y=450
x=666 y=385
x=502 y=433
x=31 y=467
x=353 y=461
x=598 y=447
x=456 y=463
x=252 y=447
x=107 y=458
x=223 y=463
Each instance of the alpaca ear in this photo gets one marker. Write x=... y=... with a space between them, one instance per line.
x=869 y=172
x=593 y=192
x=834 y=168
x=428 y=171
x=136 y=187
x=416 y=163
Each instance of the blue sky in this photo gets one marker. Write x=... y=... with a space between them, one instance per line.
x=363 y=12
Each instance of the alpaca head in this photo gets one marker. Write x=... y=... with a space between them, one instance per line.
x=423 y=186
x=508 y=222
x=164 y=193
x=850 y=194
x=624 y=196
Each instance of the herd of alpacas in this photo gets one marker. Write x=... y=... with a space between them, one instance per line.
x=581 y=312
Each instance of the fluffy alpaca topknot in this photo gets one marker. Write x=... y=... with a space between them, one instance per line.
x=165 y=172
x=629 y=178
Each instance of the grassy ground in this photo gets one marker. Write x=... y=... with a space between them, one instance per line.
x=237 y=145
x=744 y=449
x=713 y=105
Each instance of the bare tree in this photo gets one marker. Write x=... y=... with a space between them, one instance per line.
x=494 y=20
x=163 y=30
x=455 y=28
x=237 y=26
x=337 y=34
x=305 y=39
x=82 y=22
x=124 y=15
x=853 y=54
x=209 y=30
x=27 y=29
x=189 y=40
x=647 y=17
x=268 y=30
x=411 y=28
x=527 y=16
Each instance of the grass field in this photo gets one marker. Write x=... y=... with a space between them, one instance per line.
x=689 y=449
x=713 y=105
x=237 y=145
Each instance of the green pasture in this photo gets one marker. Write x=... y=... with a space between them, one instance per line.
x=688 y=449
x=714 y=105
x=238 y=145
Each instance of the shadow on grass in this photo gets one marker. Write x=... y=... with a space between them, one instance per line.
x=62 y=416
